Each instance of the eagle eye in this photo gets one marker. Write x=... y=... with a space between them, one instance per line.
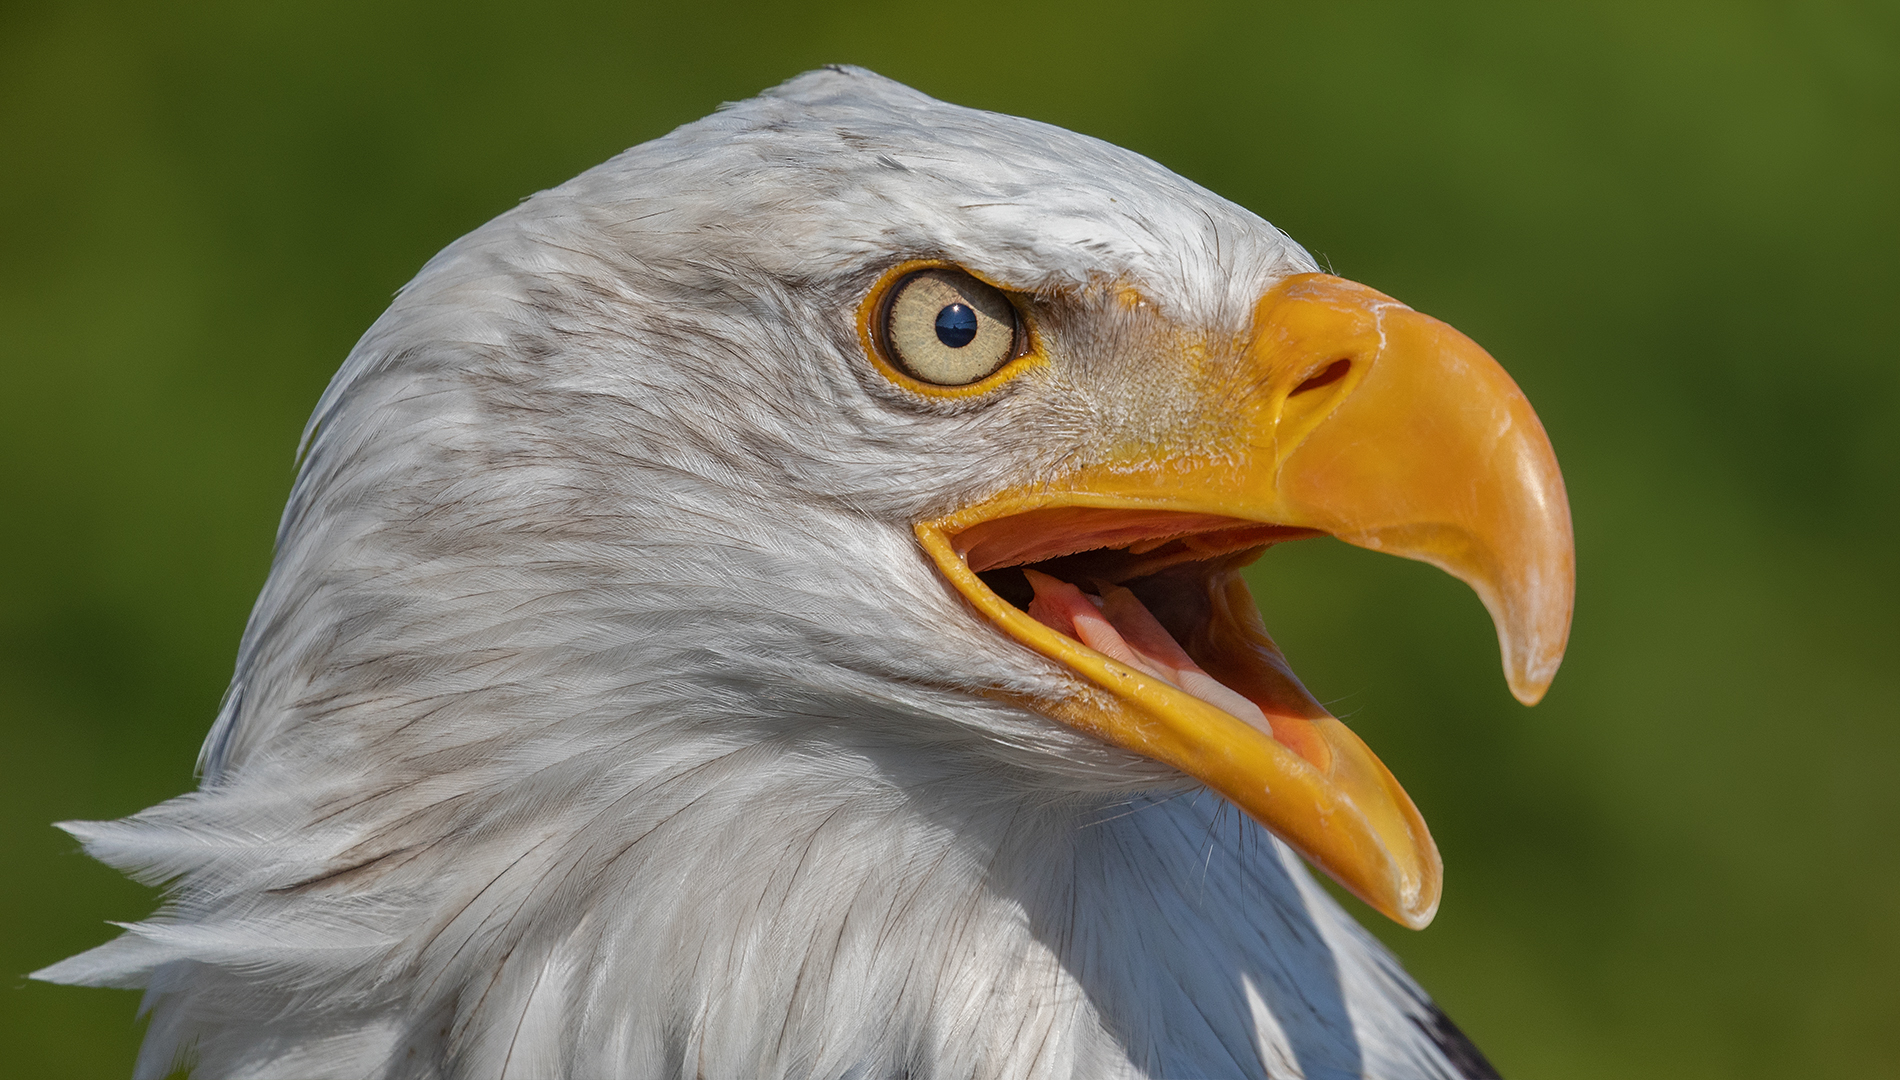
x=945 y=327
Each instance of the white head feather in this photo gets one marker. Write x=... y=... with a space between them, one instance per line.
x=601 y=716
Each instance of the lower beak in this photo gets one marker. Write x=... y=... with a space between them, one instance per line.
x=1355 y=416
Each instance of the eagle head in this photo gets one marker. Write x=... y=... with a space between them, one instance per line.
x=771 y=605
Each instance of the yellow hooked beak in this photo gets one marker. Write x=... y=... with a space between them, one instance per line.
x=1355 y=416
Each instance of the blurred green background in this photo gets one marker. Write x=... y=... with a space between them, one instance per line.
x=1678 y=225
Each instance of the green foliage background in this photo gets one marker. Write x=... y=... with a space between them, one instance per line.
x=1677 y=223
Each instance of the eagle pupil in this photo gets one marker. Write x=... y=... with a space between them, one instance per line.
x=956 y=325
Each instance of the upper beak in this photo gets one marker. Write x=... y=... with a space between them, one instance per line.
x=1355 y=416
x=1431 y=452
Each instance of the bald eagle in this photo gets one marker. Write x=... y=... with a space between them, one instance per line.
x=769 y=607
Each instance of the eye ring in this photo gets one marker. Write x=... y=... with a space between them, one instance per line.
x=947 y=329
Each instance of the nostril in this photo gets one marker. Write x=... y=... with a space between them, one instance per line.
x=1332 y=373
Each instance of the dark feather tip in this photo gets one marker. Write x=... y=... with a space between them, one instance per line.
x=1457 y=1048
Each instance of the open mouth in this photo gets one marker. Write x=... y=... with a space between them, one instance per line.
x=1160 y=593
x=1148 y=605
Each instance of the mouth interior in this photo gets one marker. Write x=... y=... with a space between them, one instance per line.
x=1159 y=592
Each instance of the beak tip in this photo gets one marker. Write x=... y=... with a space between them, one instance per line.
x=1529 y=693
x=1533 y=627
x=1530 y=675
x=1418 y=906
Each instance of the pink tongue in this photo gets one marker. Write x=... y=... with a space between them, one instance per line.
x=1119 y=627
